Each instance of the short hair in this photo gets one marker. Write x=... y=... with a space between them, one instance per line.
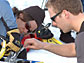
x=73 y=6
x=32 y=13
x=15 y=10
x=26 y=16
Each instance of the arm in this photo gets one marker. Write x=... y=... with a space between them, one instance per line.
x=7 y=13
x=67 y=50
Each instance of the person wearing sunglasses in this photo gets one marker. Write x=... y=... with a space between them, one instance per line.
x=68 y=16
x=63 y=35
x=29 y=19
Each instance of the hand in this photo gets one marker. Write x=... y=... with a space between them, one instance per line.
x=33 y=44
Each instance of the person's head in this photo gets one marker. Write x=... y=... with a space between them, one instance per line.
x=62 y=12
x=30 y=19
x=15 y=10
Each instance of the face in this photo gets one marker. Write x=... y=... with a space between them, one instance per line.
x=59 y=20
x=25 y=27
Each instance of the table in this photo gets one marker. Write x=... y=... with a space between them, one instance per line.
x=49 y=57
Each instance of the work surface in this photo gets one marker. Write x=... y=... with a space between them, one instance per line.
x=48 y=57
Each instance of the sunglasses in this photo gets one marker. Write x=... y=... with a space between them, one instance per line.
x=28 y=26
x=53 y=18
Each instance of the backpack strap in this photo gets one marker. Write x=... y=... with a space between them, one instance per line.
x=7 y=28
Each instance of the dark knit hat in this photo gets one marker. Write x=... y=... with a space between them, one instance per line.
x=36 y=13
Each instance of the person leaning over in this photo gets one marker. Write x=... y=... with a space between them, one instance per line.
x=29 y=19
x=68 y=17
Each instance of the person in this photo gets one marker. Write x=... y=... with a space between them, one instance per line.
x=29 y=20
x=7 y=14
x=68 y=17
x=15 y=11
x=67 y=35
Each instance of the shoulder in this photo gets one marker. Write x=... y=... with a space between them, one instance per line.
x=4 y=4
x=80 y=38
x=3 y=1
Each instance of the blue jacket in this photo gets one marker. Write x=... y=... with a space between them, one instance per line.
x=7 y=13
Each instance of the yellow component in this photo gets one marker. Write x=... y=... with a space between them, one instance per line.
x=52 y=40
x=39 y=62
x=10 y=44
x=38 y=31
x=2 y=52
x=7 y=54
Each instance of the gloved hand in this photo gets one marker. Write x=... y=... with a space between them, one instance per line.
x=13 y=41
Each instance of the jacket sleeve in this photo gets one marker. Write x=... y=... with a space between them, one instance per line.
x=7 y=13
x=80 y=47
